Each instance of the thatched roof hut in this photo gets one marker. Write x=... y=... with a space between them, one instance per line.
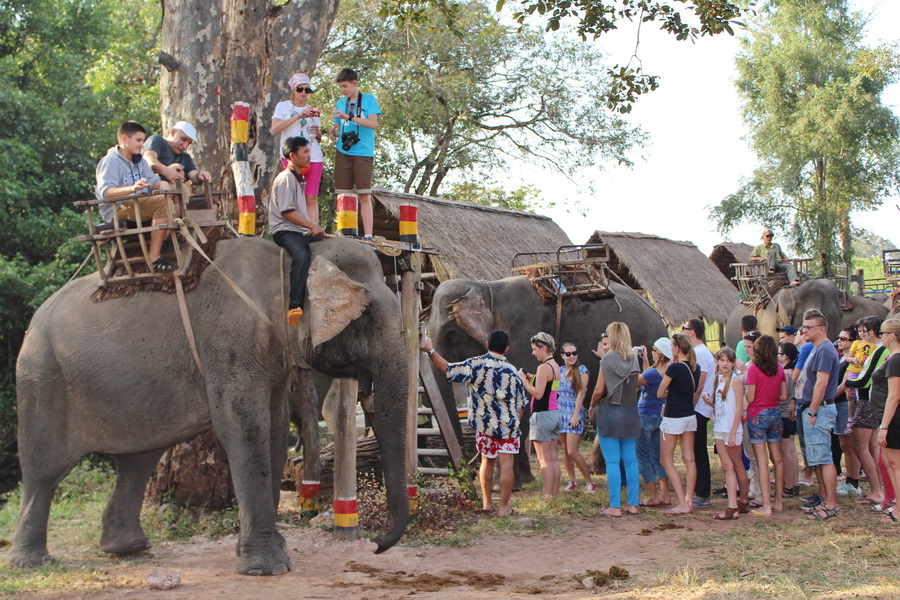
x=726 y=254
x=473 y=241
x=676 y=277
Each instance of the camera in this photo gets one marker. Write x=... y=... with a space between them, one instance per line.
x=639 y=350
x=349 y=139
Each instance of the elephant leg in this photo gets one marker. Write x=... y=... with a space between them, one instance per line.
x=256 y=448
x=29 y=547
x=122 y=533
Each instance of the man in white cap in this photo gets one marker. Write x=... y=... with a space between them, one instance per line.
x=168 y=156
x=772 y=254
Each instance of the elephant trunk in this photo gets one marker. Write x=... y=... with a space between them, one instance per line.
x=389 y=386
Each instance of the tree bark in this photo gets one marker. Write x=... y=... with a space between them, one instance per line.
x=193 y=474
x=226 y=51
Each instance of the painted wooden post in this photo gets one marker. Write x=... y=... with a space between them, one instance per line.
x=409 y=309
x=347 y=215
x=312 y=465
x=240 y=167
x=346 y=514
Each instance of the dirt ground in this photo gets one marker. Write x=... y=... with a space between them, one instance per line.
x=507 y=566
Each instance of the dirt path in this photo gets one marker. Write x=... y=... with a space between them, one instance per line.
x=507 y=566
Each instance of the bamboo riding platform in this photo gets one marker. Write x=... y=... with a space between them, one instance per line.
x=572 y=273
x=757 y=286
x=890 y=260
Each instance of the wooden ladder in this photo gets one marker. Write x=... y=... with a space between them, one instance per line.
x=437 y=410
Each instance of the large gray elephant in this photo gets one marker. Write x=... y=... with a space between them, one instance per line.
x=791 y=302
x=118 y=377
x=464 y=312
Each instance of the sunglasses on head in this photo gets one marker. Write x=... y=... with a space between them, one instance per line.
x=572 y=353
x=302 y=89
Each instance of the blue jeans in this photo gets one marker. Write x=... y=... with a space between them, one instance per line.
x=648 y=449
x=297 y=246
x=621 y=452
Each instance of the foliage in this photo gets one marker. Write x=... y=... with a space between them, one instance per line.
x=526 y=198
x=826 y=144
x=473 y=104
x=867 y=244
x=592 y=18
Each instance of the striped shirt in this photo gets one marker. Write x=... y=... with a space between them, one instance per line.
x=496 y=394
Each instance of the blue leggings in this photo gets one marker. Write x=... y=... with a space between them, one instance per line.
x=623 y=452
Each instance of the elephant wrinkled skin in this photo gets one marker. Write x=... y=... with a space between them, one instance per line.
x=118 y=377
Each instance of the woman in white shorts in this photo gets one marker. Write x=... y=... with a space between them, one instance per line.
x=727 y=431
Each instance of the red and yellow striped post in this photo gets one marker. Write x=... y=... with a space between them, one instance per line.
x=412 y=491
x=347 y=216
x=309 y=497
x=346 y=518
x=240 y=167
x=409 y=224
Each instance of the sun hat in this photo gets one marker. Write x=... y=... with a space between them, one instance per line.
x=298 y=79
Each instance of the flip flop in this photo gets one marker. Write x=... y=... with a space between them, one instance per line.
x=484 y=511
x=647 y=503
x=754 y=513
x=866 y=501
x=605 y=511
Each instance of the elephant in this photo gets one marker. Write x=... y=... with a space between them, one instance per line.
x=790 y=303
x=463 y=313
x=118 y=377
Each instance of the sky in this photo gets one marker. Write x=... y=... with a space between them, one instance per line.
x=696 y=155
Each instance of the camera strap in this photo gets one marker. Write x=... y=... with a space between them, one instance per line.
x=357 y=110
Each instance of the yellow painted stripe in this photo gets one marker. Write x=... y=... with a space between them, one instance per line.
x=408 y=227
x=240 y=132
x=247 y=224
x=349 y=520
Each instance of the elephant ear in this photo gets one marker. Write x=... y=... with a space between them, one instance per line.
x=472 y=315
x=785 y=307
x=334 y=300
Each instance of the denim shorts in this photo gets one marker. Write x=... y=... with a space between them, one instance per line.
x=817 y=438
x=544 y=426
x=766 y=426
x=843 y=415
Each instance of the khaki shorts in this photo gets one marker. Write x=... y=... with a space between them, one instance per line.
x=152 y=207
x=353 y=172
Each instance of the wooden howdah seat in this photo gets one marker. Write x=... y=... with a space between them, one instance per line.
x=757 y=287
x=890 y=260
x=121 y=247
x=569 y=271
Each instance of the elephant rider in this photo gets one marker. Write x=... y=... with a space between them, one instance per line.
x=289 y=223
x=496 y=401
x=772 y=254
x=168 y=156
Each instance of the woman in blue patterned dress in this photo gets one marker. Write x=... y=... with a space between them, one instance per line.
x=573 y=381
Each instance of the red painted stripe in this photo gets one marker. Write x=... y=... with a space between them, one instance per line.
x=240 y=113
x=345 y=507
x=412 y=491
x=346 y=203
x=247 y=204
x=408 y=212
x=309 y=490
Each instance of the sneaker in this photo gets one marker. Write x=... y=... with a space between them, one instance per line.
x=853 y=490
x=294 y=316
x=843 y=488
x=571 y=487
x=591 y=488
x=701 y=502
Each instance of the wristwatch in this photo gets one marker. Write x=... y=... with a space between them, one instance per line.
x=429 y=352
x=883 y=427
x=811 y=414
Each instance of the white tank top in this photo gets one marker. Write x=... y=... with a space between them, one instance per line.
x=725 y=407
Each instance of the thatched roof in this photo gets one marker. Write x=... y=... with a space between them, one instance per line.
x=474 y=241
x=676 y=277
x=728 y=253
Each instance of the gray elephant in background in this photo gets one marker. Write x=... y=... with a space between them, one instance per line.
x=464 y=312
x=791 y=302
x=118 y=377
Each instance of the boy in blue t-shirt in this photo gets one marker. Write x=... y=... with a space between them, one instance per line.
x=355 y=121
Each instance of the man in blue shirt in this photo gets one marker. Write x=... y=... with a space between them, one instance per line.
x=355 y=121
x=496 y=401
x=817 y=420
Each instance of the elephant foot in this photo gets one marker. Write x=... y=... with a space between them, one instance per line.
x=257 y=562
x=125 y=544
x=24 y=559
x=282 y=543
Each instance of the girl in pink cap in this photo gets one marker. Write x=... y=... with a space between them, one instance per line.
x=296 y=118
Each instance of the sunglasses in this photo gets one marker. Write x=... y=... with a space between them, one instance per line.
x=572 y=353
x=686 y=329
x=302 y=89
x=844 y=338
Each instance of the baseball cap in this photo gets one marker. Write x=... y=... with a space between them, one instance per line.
x=298 y=79
x=788 y=329
x=767 y=231
x=664 y=345
x=188 y=130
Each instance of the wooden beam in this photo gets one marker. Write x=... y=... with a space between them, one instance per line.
x=346 y=514
x=440 y=410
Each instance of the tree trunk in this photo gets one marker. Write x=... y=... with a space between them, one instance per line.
x=193 y=474
x=224 y=51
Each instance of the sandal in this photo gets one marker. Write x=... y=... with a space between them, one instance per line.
x=161 y=265
x=647 y=503
x=743 y=507
x=891 y=517
x=728 y=515
x=823 y=513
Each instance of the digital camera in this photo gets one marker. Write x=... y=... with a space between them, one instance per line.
x=349 y=139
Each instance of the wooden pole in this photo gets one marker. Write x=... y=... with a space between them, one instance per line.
x=409 y=309
x=346 y=515
x=240 y=167
x=312 y=464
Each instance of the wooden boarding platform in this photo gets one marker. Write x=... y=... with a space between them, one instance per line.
x=121 y=248
x=757 y=287
x=572 y=273
x=890 y=260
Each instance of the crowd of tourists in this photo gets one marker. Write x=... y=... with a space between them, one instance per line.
x=773 y=404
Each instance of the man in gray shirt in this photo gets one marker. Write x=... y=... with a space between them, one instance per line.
x=289 y=223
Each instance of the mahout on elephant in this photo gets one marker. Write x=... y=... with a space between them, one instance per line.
x=118 y=377
x=464 y=312
x=789 y=304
